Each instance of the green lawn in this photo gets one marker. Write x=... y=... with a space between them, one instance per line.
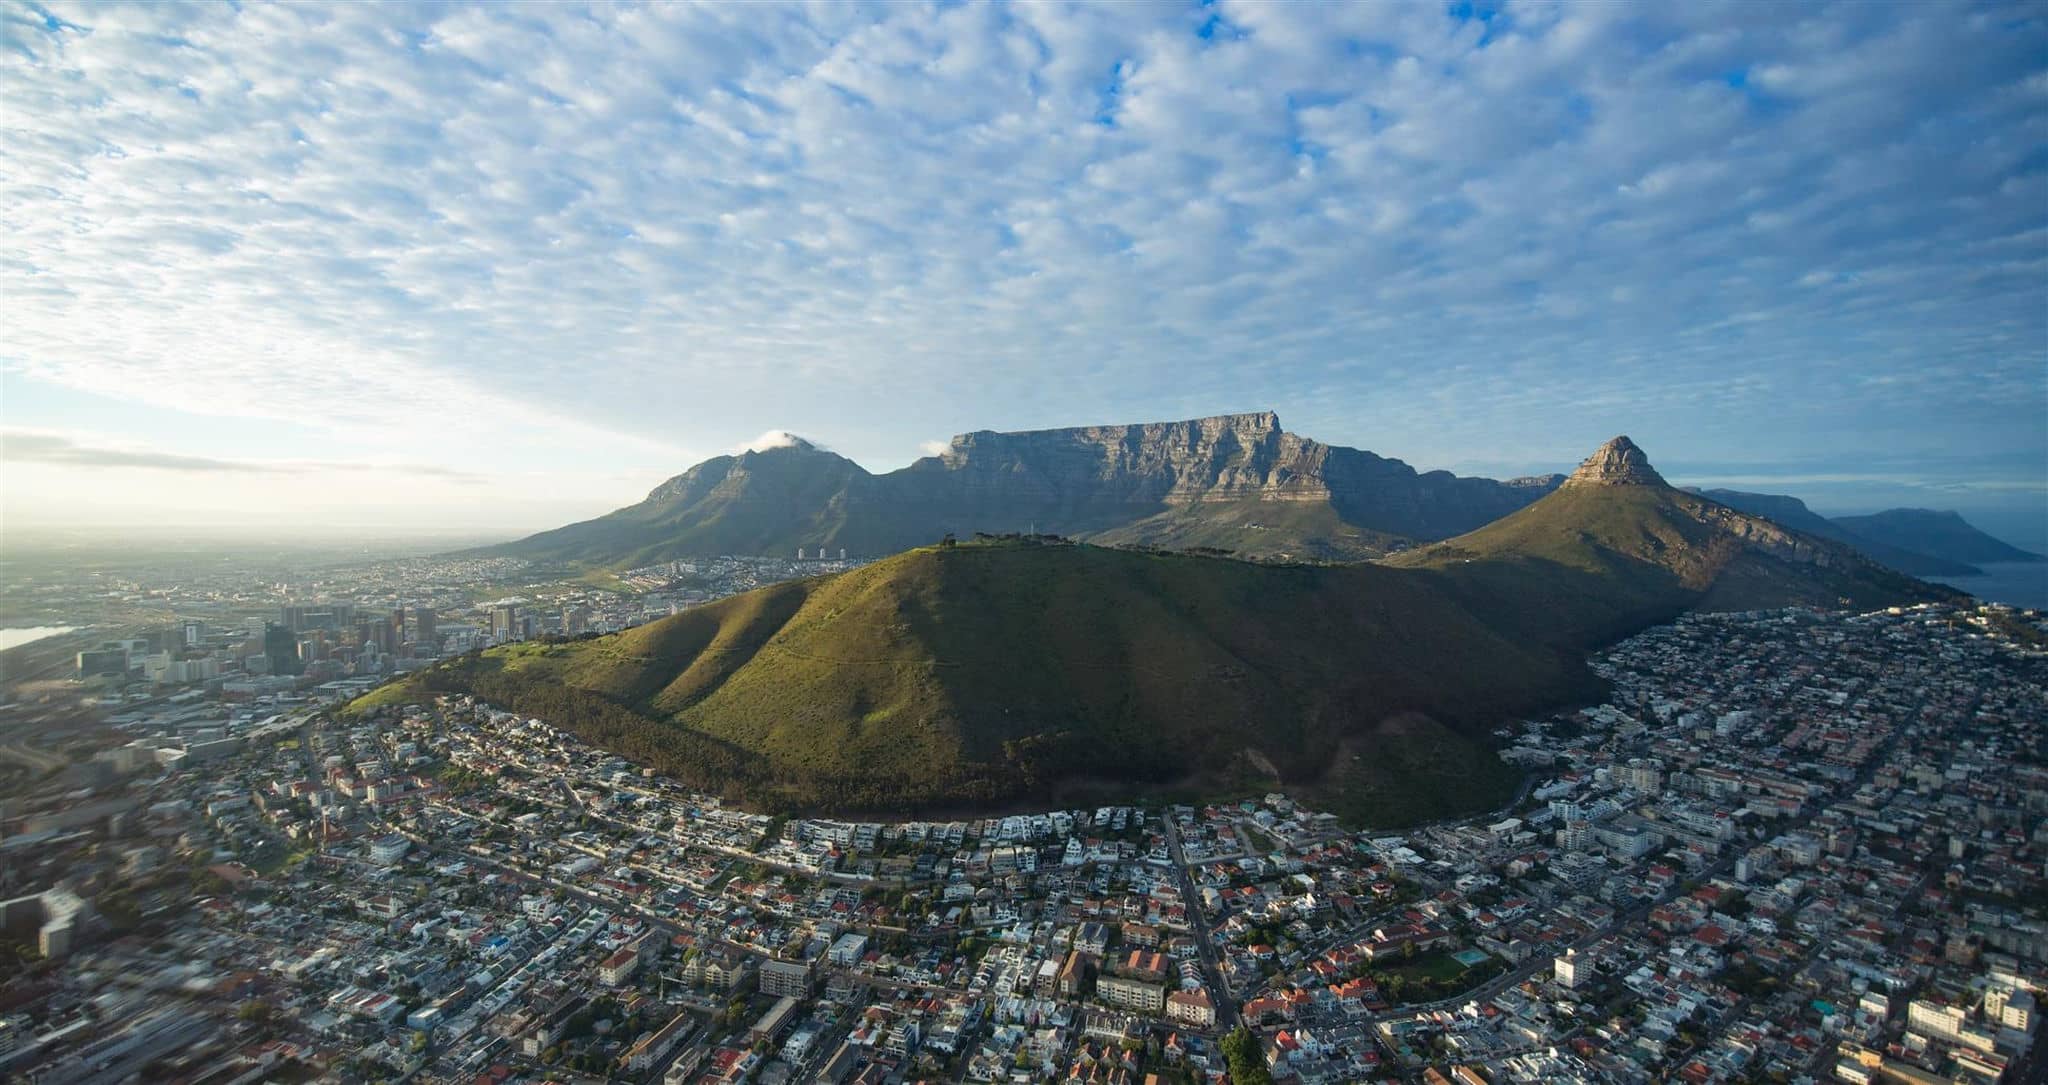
x=1436 y=965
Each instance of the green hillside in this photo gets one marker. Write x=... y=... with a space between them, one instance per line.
x=1602 y=557
x=1267 y=530
x=1007 y=671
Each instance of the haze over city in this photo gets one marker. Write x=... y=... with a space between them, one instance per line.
x=490 y=269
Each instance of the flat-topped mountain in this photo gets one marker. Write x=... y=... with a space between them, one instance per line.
x=979 y=674
x=1236 y=482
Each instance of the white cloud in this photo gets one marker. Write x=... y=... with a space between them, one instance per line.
x=774 y=438
x=934 y=448
x=514 y=235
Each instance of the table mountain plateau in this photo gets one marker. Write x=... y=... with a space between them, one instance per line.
x=1235 y=482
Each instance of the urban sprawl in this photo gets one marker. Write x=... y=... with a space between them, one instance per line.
x=1790 y=847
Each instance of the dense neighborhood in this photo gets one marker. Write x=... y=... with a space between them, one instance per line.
x=1790 y=846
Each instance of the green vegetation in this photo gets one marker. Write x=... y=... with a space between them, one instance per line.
x=1005 y=671
x=1247 y=1062
x=1417 y=770
x=1294 y=530
x=1430 y=977
x=1590 y=563
x=604 y=581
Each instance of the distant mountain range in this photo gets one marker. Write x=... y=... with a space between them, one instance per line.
x=1927 y=531
x=1238 y=482
x=968 y=676
x=1917 y=541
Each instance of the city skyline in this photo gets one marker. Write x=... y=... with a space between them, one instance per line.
x=447 y=268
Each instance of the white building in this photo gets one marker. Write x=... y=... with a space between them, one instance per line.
x=1570 y=970
x=389 y=850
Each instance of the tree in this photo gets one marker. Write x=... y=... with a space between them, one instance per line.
x=1247 y=1060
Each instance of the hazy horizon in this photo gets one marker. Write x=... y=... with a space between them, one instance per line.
x=2019 y=525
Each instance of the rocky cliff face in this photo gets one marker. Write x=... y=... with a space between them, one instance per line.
x=1769 y=538
x=1227 y=457
x=1139 y=483
x=1101 y=476
x=1617 y=463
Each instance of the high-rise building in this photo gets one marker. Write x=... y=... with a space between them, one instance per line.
x=505 y=622
x=102 y=661
x=378 y=633
x=423 y=628
x=282 y=649
x=575 y=621
x=300 y=617
x=1568 y=970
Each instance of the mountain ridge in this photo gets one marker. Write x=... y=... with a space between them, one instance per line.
x=1793 y=513
x=1617 y=518
x=1943 y=533
x=1139 y=483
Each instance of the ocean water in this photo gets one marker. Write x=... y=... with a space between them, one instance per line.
x=10 y=638
x=2019 y=583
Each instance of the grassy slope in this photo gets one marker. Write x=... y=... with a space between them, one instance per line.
x=1286 y=530
x=1006 y=671
x=1590 y=563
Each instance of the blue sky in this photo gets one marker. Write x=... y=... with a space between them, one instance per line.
x=495 y=268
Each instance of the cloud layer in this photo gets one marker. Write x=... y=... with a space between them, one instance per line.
x=1801 y=234
x=31 y=447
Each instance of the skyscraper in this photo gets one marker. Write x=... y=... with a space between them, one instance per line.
x=281 y=648
x=575 y=621
x=378 y=633
x=505 y=622
x=423 y=632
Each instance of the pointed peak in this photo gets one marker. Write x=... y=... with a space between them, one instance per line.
x=1617 y=463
